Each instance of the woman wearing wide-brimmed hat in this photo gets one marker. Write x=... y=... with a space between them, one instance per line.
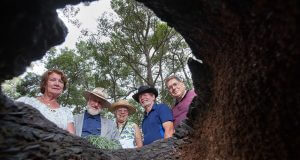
x=130 y=134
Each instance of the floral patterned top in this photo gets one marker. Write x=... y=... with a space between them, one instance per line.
x=60 y=116
x=127 y=136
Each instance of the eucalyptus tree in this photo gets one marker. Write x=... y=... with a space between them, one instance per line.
x=111 y=72
x=138 y=42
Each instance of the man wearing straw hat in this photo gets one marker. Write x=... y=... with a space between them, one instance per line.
x=91 y=122
x=130 y=134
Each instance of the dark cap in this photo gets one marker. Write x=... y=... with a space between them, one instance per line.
x=144 y=89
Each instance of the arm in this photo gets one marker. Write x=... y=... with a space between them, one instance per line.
x=70 y=121
x=169 y=129
x=71 y=128
x=167 y=119
x=115 y=133
x=138 y=136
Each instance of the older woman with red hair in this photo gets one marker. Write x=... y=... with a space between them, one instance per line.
x=52 y=85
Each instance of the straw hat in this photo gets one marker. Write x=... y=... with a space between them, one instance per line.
x=122 y=103
x=100 y=93
x=144 y=89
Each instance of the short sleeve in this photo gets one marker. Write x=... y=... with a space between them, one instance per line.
x=21 y=99
x=165 y=113
x=69 y=114
x=28 y=100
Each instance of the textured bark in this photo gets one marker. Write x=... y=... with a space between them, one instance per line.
x=248 y=84
x=252 y=50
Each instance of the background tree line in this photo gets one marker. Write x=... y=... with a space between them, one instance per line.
x=128 y=50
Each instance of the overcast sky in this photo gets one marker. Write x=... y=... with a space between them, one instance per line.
x=87 y=16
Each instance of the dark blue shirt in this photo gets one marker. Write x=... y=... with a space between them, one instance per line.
x=91 y=125
x=152 y=123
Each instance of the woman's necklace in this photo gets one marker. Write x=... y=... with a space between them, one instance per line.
x=52 y=110
x=48 y=104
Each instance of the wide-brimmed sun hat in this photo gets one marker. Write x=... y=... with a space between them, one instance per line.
x=122 y=103
x=144 y=89
x=100 y=93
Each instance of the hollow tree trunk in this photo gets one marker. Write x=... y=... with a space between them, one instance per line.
x=248 y=86
x=252 y=51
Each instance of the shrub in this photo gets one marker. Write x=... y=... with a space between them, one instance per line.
x=104 y=143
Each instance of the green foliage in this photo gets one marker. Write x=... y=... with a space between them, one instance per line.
x=103 y=143
x=9 y=88
x=138 y=116
x=70 y=12
x=29 y=85
x=168 y=99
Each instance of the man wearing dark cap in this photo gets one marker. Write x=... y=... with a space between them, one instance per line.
x=158 y=118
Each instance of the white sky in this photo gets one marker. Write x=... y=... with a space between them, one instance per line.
x=87 y=16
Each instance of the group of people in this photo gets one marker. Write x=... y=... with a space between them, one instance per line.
x=158 y=123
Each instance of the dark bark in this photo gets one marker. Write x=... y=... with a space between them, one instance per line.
x=248 y=85
x=252 y=50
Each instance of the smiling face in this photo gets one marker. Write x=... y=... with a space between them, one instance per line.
x=146 y=99
x=94 y=105
x=176 y=88
x=46 y=76
x=54 y=85
x=121 y=114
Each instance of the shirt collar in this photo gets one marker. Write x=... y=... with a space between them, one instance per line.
x=176 y=102
x=87 y=115
x=152 y=109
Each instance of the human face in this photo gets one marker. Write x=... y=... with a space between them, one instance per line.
x=54 y=84
x=146 y=99
x=176 y=88
x=121 y=114
x=94 y=105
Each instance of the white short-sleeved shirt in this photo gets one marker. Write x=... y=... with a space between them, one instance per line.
x=60 y=116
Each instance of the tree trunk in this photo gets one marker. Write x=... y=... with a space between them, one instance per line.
x=252 y=51
x=248 y=85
